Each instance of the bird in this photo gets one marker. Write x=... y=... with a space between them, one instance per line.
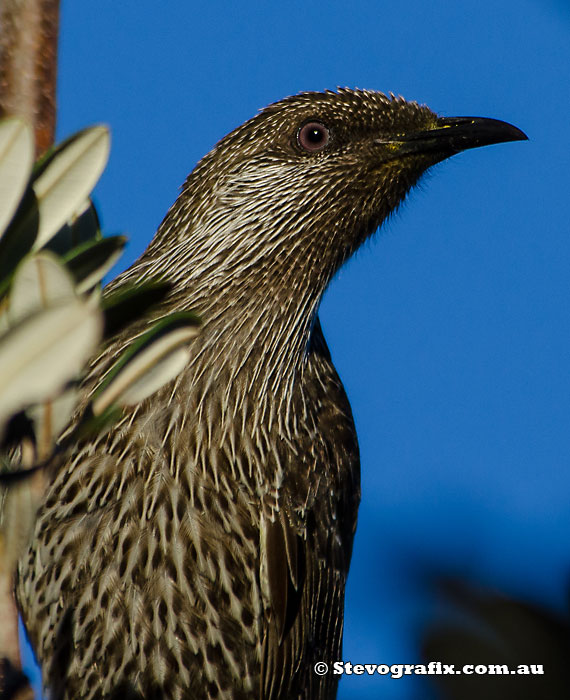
x=200 y=547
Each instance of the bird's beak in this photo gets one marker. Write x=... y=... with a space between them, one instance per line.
x=454 y=134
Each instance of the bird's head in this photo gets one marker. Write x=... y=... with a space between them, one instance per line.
x=288 y=196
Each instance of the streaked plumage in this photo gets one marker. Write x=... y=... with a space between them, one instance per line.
x=200 y=549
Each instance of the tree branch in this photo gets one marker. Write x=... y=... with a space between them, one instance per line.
x=28 y=64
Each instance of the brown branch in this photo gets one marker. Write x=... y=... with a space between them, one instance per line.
x=28 y=64
x=28 y=70
x=18 y=507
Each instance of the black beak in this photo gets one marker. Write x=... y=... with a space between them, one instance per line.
x=454 y=134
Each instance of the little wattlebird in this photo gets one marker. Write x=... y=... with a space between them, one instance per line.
x=200 y=548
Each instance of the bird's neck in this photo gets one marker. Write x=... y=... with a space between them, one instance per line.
x=258 y=299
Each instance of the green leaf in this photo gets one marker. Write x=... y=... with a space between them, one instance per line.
x=43 y=352
x=130 y=302
x=16 y=160
x=83 y=227
x=93 y=426
x=50 y=418
x=64 y=181
x=19 y=238
x=41 y=281
x=89 y=262
x=151 y=361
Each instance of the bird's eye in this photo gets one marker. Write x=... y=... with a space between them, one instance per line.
x=313 y=136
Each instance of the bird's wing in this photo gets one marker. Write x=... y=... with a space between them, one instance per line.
x=307 y=543
x=285 y=552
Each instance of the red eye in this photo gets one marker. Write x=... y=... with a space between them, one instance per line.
x=313 y=136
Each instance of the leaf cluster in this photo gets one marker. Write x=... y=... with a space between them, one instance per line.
x=54 y=318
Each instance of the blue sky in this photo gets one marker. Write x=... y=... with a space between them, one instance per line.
x=450 y=329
